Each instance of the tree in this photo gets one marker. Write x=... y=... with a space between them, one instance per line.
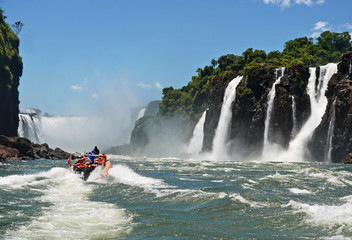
x=17 y=27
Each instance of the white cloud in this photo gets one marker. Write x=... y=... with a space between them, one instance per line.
x=76 y=87
x=321 y=26
x=144 y=85
x=287 y=3
x=348 y=26
x=95 y=96
x=158 y=85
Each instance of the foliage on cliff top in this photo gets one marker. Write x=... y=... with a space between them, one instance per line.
x=10 y=60
x=191 y=100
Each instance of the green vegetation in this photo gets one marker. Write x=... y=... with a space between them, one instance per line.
x=191 y=100
x=10 y=60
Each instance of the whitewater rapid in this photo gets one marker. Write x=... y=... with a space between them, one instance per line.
x=156 y=198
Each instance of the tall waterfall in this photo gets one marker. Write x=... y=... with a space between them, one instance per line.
x=271 y=96
x=222 y=131
x=29 y=125
x=330 y=133
x=318 y=103
x=294 y=118
x=196 y=143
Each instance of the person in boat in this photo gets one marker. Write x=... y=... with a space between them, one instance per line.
x=96 y=151
x=105 y=164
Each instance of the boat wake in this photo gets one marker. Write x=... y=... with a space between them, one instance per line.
x=68 y=211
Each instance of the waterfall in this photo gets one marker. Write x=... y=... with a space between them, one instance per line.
x=29 y=125
x=222 y=131
x=141 y=113
x=318 y=103
x=294 y=118
x=271 y=96
x=330 y=133
x=196 y=143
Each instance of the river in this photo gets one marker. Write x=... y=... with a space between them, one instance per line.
x=171 y=198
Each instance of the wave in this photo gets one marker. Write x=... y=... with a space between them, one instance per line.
x=68 y=212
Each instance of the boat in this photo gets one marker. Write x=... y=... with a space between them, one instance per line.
x=87 y=163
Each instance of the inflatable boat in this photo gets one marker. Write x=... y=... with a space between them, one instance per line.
x=85 y=165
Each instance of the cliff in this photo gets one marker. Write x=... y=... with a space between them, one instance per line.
x=250 y=106
x=337 y=117
x=292 y=122
x=10 y=73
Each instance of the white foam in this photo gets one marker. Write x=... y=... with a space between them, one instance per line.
x=20 y=181
x=72 y=215
x=300 y=191
x=325 y=215
x=126 y=175
x=238 y=197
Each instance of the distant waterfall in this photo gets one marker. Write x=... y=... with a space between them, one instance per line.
x=318 y=103
x=29 y=125
x=294 y=118
x=330 y=133
x=141 y=113
x=196 y=143
x=271 y=96
x=222 y=131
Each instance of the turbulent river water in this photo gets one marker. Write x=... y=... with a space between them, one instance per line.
x=169 y=198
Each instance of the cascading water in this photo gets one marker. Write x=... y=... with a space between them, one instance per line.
x=294 y=119
x=221 y=134
x=29 y=125
x=271 y=96
x=318 y=103
x=330 y=133
x=141 y=113
x=196 y=143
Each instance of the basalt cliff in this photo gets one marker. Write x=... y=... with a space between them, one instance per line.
x=10 y=73
x=11 y=146
x=311 y=104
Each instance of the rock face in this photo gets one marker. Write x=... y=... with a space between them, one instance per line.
x=218 y=86
x=10 y=72
x=338 y=113
x=291 y=109
x=152 y=109
x=16 y=148
x=348 y=159
x=250 y=106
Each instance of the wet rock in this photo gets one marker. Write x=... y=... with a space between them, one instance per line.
x=348 y=159
x=17 y=148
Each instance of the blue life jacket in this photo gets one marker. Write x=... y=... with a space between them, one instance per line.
x=92 y=158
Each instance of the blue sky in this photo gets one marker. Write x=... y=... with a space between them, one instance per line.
x=89 y=55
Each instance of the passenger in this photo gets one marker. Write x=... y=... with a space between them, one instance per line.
x=95 y=151
x=103 y=159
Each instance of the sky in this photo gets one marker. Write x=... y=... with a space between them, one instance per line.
x=84 y=56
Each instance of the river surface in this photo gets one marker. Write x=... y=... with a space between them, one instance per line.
x=169 y=198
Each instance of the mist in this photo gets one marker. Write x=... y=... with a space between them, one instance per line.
x=107 y=119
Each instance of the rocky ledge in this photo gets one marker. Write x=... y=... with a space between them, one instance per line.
x=17 y=148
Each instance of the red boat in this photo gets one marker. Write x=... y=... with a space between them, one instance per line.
x=87 y=163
